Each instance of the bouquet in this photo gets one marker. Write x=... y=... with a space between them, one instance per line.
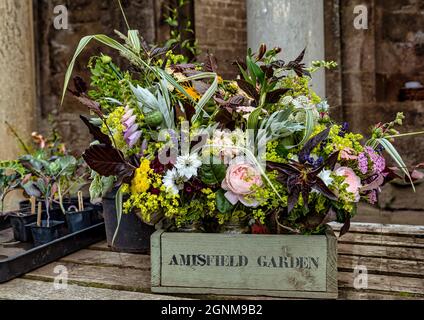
x=186 y=147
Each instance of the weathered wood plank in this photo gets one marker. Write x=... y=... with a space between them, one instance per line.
x=95 y=276
x=346 y=294
x=383 y=240
x=382 y=228
x=100 y=246
x=414 y=254
x=156 y=254
x=22 y=289
x=385 y=283
x=331 y=261
x=109 y=259
x=241 y=293
x=383 y=265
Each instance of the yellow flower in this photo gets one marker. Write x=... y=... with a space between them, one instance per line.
x=141 y=182
x=190 y=91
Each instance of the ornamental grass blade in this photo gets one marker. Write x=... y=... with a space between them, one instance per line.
x=391 y=150
x=118 y=206
x=81 y=46
x=208 y=94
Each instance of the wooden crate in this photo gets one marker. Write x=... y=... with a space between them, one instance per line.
x=289 y=266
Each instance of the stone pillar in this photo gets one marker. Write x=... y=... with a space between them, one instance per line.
x=17 y=78
x=291 y=25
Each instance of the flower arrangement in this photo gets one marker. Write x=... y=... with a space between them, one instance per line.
x=185 y=146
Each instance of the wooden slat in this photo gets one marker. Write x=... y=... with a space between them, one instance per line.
x=383 y=240
x=109 y=259
x=381 y=252
x=22 y=289
x=95 y=276
x=383 y=265
x=382 y=228
x=347 y=294
x=100 y=246
x=385 y=283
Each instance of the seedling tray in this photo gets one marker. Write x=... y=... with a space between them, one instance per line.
x=17 y=259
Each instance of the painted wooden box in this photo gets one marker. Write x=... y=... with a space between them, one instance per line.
x=258 y=265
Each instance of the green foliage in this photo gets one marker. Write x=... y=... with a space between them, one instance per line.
x=222 y=204
x=213 y=173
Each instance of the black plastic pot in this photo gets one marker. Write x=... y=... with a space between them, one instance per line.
x=4 y=222
x=77 y=221
x=133 y=236
x=44 y=234
x=20 y=222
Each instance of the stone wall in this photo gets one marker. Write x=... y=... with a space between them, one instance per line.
x=221 y=28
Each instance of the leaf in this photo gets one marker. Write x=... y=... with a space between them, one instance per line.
x=211 y=63
x=391 y=150
x=249 y=89
x=108 y=161
x=222 y=204
x=346 y=226
x=89 y=103
x=96 y=132
x=255 y=71
x=212 y=173
x=324 y=190
x=274 y=96
x=312 y=143
x=31 y=189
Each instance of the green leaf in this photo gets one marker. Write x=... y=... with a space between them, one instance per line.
x=212 y=173
x=255 y=71
x=222 y=204
x=391 y=150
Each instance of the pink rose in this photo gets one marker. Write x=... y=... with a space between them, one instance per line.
x=352 y=180
x=238 y=183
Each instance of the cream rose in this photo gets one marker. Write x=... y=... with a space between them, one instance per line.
x=239 y=182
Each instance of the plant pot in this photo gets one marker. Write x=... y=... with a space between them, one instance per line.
x=234 y=227
x=133 y=236
x=77 y=221
x=20 y=221
x=4 y=222
x=44 y=234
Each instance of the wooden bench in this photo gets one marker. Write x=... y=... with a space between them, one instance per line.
x=392 y=254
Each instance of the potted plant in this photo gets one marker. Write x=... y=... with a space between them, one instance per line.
x=254 y=166
x=11 y=174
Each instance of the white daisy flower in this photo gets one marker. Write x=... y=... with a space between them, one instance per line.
x=172 y=181
x=187 y=165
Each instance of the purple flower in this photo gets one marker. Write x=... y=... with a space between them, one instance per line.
x=379 y=163
x=133 y=139
x=372 y=197
x=131 y=132
x=363 y=163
